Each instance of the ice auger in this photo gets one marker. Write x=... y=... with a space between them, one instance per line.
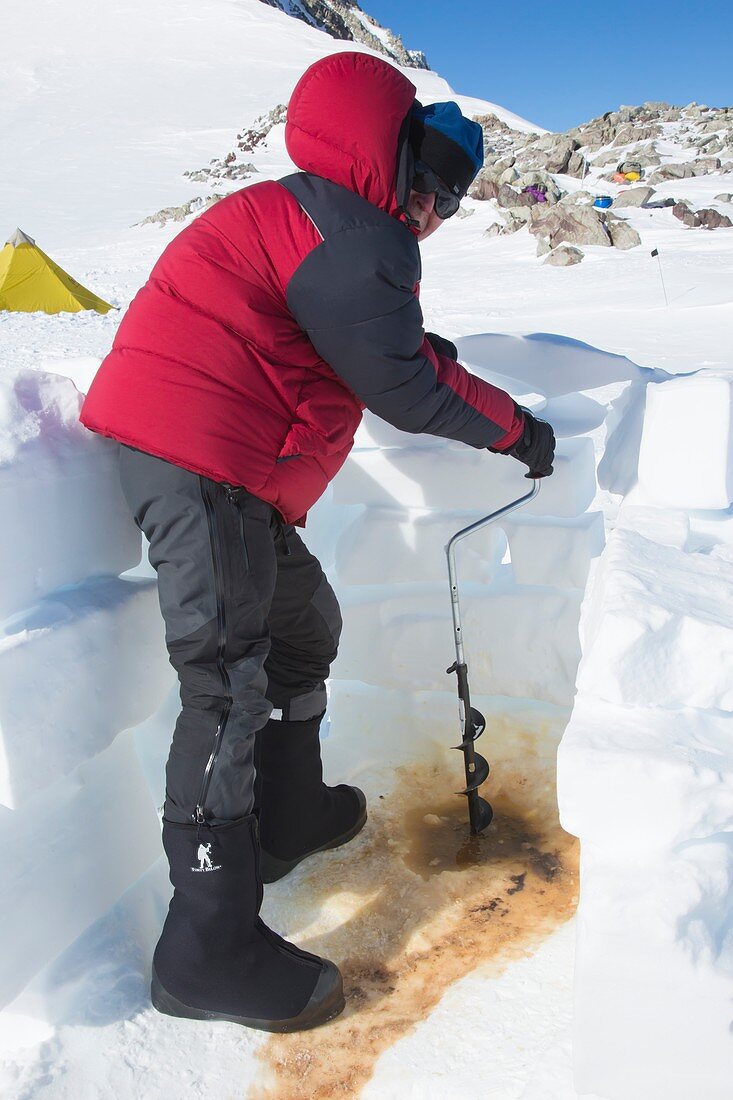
x=472 y=721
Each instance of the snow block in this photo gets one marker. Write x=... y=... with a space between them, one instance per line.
x=80 y=666
x=401 y=545
x=64 y=515
x=544 y=363
x=465 y=479
x=636 y=780
x=71 y=854
x=554 y=552
x=652 y=975
x=522 y=643
x=658 y=627
x=686 y=457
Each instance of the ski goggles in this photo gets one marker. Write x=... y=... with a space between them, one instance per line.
x=426 y=182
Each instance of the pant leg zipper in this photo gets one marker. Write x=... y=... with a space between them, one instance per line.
x=199 y=814
x=233 y=494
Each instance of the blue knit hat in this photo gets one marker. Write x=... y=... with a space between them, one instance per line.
x=448 y=142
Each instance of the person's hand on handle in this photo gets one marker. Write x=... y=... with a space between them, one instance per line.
x=535 y=446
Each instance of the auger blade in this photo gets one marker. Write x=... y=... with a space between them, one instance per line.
x=480 y=813
x=478 y=721
x=478 y=770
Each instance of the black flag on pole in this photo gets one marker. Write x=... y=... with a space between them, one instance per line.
x=655 y=252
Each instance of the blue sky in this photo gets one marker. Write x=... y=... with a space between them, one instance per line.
x=561 y=64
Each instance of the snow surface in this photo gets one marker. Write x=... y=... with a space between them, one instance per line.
x=105 y=108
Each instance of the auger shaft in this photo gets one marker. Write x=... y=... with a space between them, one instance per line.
x=472 y=721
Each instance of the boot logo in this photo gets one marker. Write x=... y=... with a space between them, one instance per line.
x=203 y=855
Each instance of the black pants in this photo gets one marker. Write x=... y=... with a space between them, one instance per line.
x=251 y=624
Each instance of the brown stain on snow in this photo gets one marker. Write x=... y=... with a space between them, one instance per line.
x=430 y=904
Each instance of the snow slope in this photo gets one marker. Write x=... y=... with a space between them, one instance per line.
x=83 y=752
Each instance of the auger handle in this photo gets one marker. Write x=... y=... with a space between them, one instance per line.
x=451 y=555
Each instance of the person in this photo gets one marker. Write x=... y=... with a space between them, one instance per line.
x=234 y=386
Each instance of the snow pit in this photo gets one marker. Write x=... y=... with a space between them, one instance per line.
x=426 y=903
x=686 y=458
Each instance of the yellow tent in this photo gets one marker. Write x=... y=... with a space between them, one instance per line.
x=30 y=281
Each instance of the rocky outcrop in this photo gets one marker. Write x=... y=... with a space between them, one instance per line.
x=635 y=196
x=623 y=235
x=180 y=213
x=345 y=21
x=565 y=256
x=705 y=218
x=713 y=219
x=685 y=214
x=569 y=224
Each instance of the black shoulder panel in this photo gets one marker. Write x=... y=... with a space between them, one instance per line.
x=354 y=296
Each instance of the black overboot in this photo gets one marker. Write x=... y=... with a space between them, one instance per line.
x=299 y=815
x=216 y=959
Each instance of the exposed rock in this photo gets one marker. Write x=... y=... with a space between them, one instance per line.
x=516 y=219
x=564 y=257
x=343 y=20
x=704 y=165
x=465 y=211
x=249 y=139
x=180 y=213
x=635 y=196
x=636 y=133
x=724 y=196
x=623 y=235
x=576 y=165
x=687 y=216
x=713 y=219
x=509 y=175
x=609 y=157
x=508 y=197
x=484 y=188
x=493 y=231
x=543 y=246
x=671 y=172
x=222 y=170
x=573 y=224
x=558 y=156
x=573 y=198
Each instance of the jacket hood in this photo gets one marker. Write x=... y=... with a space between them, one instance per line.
x=348 y=121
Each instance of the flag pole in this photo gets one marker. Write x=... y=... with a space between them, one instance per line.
x=655 y=252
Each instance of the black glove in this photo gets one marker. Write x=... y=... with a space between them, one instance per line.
x=535 y=446
x=442 y=346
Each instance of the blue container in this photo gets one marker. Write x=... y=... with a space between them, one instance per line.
x=603 y=202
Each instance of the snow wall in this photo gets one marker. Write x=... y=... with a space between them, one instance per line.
x=645 y=768
x=645 y=765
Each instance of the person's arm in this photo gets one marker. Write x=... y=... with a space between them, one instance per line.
x=353 y=296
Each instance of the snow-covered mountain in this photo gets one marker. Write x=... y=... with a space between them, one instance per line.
x=345 y=21
x=154 y=108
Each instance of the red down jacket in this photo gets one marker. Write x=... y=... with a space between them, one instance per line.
x=272 y=320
